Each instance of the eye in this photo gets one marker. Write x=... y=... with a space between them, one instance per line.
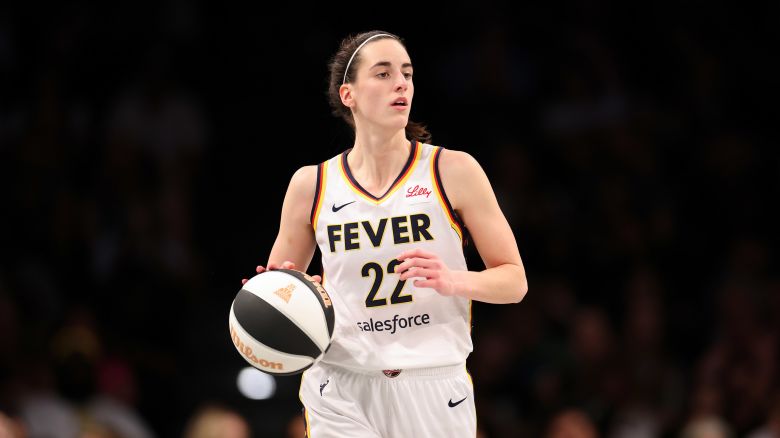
x=408 y=75
x=384 y=74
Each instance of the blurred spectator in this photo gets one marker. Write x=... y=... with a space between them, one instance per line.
x=743 y=359
x=571 y=424
x=76 y=403
x=706 y=416
x=654 y=388
x=770 y=429
x=296 y=427
x=597 y=374
x=706 y=428
x=11 y=427
x=216 y=422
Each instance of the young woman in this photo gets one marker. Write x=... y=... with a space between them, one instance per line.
x=390 y=216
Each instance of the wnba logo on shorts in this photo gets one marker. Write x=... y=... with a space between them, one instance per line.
x=392 y=373
x=246 y=351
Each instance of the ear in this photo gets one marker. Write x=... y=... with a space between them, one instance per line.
x=345 y=92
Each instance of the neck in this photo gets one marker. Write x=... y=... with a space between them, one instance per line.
x=376 y=159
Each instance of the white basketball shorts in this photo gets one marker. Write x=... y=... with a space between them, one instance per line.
x=413 y=403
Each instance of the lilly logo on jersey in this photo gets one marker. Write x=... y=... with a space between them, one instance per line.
x=246 y=351
x=417 y=190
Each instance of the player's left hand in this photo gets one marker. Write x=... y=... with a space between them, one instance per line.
x=435 y=274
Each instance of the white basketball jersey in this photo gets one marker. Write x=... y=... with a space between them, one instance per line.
x=381 y=322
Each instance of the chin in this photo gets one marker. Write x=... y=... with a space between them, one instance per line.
x=398 y=123
x=393 y=123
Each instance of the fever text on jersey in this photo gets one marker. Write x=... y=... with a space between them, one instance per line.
x=404 y=229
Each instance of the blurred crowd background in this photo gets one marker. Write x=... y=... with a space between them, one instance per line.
x=145 y=152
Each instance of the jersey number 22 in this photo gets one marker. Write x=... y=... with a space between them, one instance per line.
x=396 y=297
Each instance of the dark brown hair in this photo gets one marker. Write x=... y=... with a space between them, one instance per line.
x=336 y=67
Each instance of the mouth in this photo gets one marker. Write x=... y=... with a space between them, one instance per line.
x=401 y=102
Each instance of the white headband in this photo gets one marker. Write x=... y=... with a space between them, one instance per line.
x=344 y=81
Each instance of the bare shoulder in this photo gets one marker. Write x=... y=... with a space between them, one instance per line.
x=305 y=174
x=460 y=172
x=463 y=179
x=457 y=163
x=300 y=192
x=304 y=180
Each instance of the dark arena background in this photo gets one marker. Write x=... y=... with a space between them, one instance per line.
x=145 y=151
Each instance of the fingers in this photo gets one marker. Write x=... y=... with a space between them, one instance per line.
x=419 y=272
x=425 y=283
x=416 y=253
x=416 y=262
x=271 y=266
x=317 y=278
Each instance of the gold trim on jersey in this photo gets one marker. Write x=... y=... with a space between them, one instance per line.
x=305 y=411
x=471 y=380
x=308 y=423
x=320 y=196
x=396 y=185
x=471 y=315
x=440 y=194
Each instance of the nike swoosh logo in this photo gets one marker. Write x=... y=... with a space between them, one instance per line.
x=335 y=209
x=452 y=405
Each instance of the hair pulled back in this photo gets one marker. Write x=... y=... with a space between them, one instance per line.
x=338 y=64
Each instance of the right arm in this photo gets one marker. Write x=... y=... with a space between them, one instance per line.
x=295 y=243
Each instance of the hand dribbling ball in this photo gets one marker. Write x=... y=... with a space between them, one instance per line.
x=281 y=321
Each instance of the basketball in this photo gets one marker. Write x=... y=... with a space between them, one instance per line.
x=281 y=321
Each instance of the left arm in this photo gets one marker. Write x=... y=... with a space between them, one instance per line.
x=469 y=191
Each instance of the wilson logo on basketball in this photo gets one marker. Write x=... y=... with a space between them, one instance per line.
x=417 y=191
x=285 y=293
x=321 y=290
x=324 y=295
x=247 y=352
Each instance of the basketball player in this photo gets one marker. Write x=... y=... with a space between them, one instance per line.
x=390 y=216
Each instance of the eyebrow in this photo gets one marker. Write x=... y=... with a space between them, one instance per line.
x=388 y=64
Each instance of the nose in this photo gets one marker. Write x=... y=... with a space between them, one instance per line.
x=401 y=83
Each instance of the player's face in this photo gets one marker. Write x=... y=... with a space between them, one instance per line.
x=384 y=89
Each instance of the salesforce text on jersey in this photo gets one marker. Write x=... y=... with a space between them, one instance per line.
x=393 y=324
